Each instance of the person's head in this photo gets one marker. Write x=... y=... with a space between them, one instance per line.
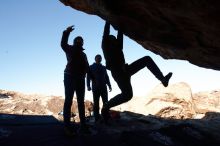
x=98 y=59
x=112 y=40
x=78 y=41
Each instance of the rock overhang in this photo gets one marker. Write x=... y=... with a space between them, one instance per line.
x=176 y=29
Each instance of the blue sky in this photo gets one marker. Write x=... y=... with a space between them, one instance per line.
x=32 y=60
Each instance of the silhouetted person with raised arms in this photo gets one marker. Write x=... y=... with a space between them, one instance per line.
x=74 y=79
x=121 y=72
x=99 y=82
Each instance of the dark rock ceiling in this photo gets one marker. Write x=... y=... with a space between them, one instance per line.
x=174 y=29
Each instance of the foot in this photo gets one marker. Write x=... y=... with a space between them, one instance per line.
x=166 y=79
x=69 y=131
x=105 y=114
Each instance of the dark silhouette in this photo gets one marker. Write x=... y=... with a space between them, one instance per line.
x=74 y=78
x=121 y=72
x=99 y=88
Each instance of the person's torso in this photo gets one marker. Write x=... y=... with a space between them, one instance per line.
x=98 y=72
x=76 y=62
x=113 y=55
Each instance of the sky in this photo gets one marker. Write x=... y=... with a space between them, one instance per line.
x=32 y=60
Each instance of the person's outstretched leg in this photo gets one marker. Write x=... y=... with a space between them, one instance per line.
x=126 y=95
x=150 y=64
x=123 y=81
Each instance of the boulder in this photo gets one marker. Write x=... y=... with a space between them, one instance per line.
x=174 y=101
x=208 y=101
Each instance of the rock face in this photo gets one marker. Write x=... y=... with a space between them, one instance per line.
x=207 y=101
x=176 y=29
x=175 y=101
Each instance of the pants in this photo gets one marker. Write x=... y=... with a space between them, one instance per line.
x=96 y=96
x=74 y=84
x=123 y=78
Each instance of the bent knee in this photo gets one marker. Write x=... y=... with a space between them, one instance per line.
x=147 y=58
x=127 y=96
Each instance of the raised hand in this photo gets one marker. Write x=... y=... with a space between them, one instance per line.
x=70 y=28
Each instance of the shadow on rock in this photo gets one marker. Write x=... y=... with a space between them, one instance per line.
x=125 y=129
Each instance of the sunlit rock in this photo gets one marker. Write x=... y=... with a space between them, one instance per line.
x=174 y=101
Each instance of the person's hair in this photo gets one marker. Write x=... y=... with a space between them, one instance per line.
x=98 y=55
x=77 y=38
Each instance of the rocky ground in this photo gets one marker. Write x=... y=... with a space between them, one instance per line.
x=170 y=116
x=18 y=103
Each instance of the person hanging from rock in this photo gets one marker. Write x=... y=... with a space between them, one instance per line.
x=74 y=80
x=99 y=82
x=112 y=48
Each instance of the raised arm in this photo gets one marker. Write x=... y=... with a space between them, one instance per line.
x=106 y=29
x=105 y=34
x=120 y=39
x=64 y=39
